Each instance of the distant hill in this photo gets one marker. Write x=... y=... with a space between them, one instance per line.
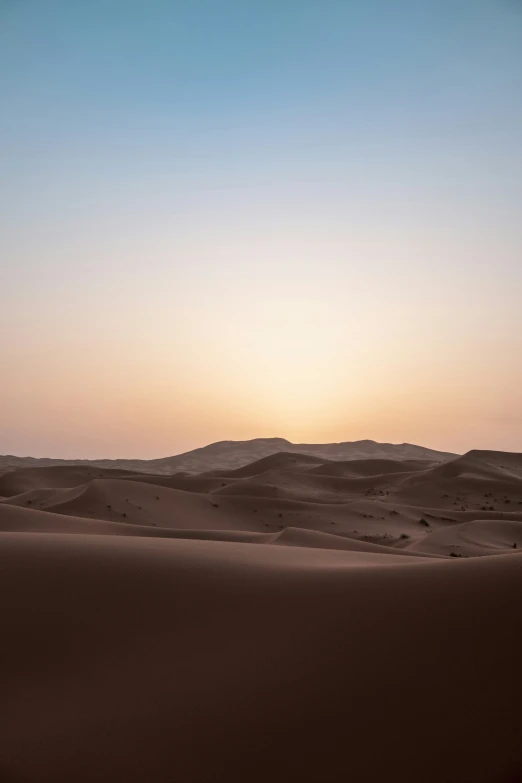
x=232 y=454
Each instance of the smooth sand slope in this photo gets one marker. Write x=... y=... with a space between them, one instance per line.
x=291 y=620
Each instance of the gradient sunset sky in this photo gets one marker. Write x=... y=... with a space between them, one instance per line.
x=224 y=219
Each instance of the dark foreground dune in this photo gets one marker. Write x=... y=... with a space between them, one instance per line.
x=294 y=621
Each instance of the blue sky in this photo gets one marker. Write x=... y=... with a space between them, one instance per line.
x=231 y=219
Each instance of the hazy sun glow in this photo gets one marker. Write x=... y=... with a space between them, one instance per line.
x=297 y=219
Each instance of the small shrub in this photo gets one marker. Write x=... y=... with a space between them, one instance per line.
x=424 y=522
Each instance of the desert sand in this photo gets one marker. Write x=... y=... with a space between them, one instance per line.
x=302 y=617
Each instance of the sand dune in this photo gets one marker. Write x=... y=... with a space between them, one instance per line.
x=278 y=663
x=232 y=454
x=296 y=619
x=371 y=467
x=303 y=485
x=18 y=481
x=470 y=481
x=139 y=503
x=279 y=461
x=476 y=538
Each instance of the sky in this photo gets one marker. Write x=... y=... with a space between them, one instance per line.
x=225 y=219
